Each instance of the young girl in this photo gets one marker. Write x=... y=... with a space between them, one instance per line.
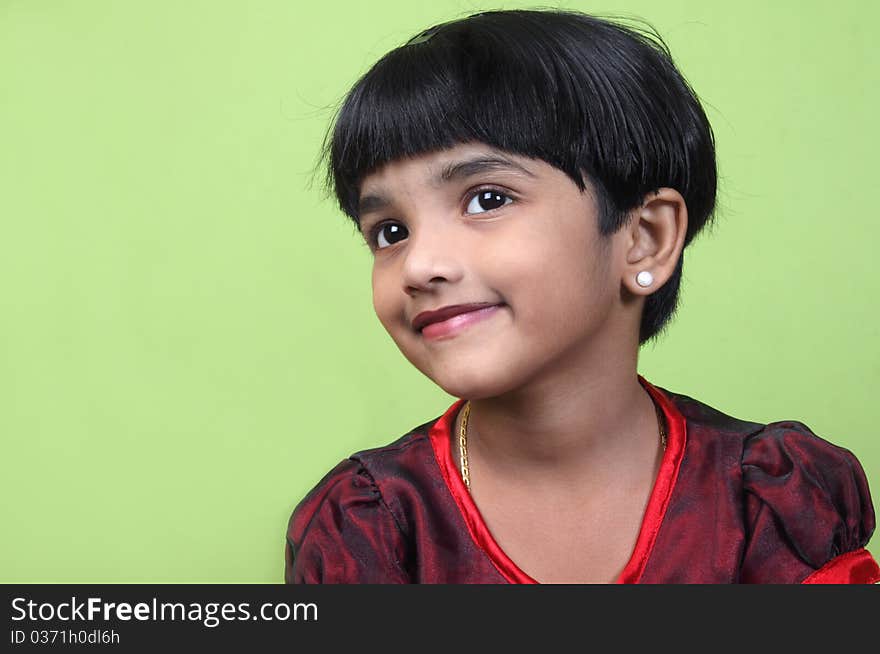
x=527 y=182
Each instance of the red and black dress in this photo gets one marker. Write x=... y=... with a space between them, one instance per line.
x=734 y=502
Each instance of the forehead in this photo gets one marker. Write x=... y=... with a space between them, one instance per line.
x=440 y=167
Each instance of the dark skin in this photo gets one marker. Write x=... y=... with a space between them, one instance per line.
x=563 y=441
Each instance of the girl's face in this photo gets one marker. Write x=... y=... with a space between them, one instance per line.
x=475 y=225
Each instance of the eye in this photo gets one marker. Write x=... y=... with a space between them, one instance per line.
x=486 y=200
x=386 y=234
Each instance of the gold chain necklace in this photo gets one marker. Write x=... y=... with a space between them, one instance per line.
x=462 y=440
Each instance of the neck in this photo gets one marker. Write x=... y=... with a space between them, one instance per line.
x=587 y=415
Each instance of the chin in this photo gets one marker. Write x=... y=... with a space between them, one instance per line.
x=471 y=385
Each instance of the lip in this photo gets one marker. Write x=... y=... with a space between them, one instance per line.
x=451 y=319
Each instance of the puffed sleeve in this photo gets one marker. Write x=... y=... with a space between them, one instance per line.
x=343 y=532
x=808 y=510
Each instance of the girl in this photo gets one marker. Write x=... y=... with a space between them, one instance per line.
x=527 y=182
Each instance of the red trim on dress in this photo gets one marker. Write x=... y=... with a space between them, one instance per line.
x=440 y=437
x=856 y=567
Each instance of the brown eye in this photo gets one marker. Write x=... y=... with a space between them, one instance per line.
x=487 y=200
x=389 y=234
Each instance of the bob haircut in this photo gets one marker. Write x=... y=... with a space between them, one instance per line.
x=600 y=101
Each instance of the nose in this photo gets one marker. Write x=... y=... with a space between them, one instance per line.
x=434 y=255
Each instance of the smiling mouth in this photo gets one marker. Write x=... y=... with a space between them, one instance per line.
x=458 y=323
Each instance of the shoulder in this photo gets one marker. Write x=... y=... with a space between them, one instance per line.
x=345 y=528
x=789 y=450
x=808 y=508
x=786 y=463
x=783 y=454
x=805 y=501
x=816 y=491
x=361 y=477
x=707 y=421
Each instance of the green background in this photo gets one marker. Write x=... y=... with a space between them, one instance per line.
x=187 y=340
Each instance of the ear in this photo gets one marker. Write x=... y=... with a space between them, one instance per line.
x=656 y=238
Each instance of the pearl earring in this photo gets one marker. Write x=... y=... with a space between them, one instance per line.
x=644 y=278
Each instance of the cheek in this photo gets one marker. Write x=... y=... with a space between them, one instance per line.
x=389 y=304
x=381 y=300
x=548 y=280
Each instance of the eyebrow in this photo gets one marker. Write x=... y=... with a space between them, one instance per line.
x=451 y=172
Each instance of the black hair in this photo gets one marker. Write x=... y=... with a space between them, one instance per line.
x=589 y=96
